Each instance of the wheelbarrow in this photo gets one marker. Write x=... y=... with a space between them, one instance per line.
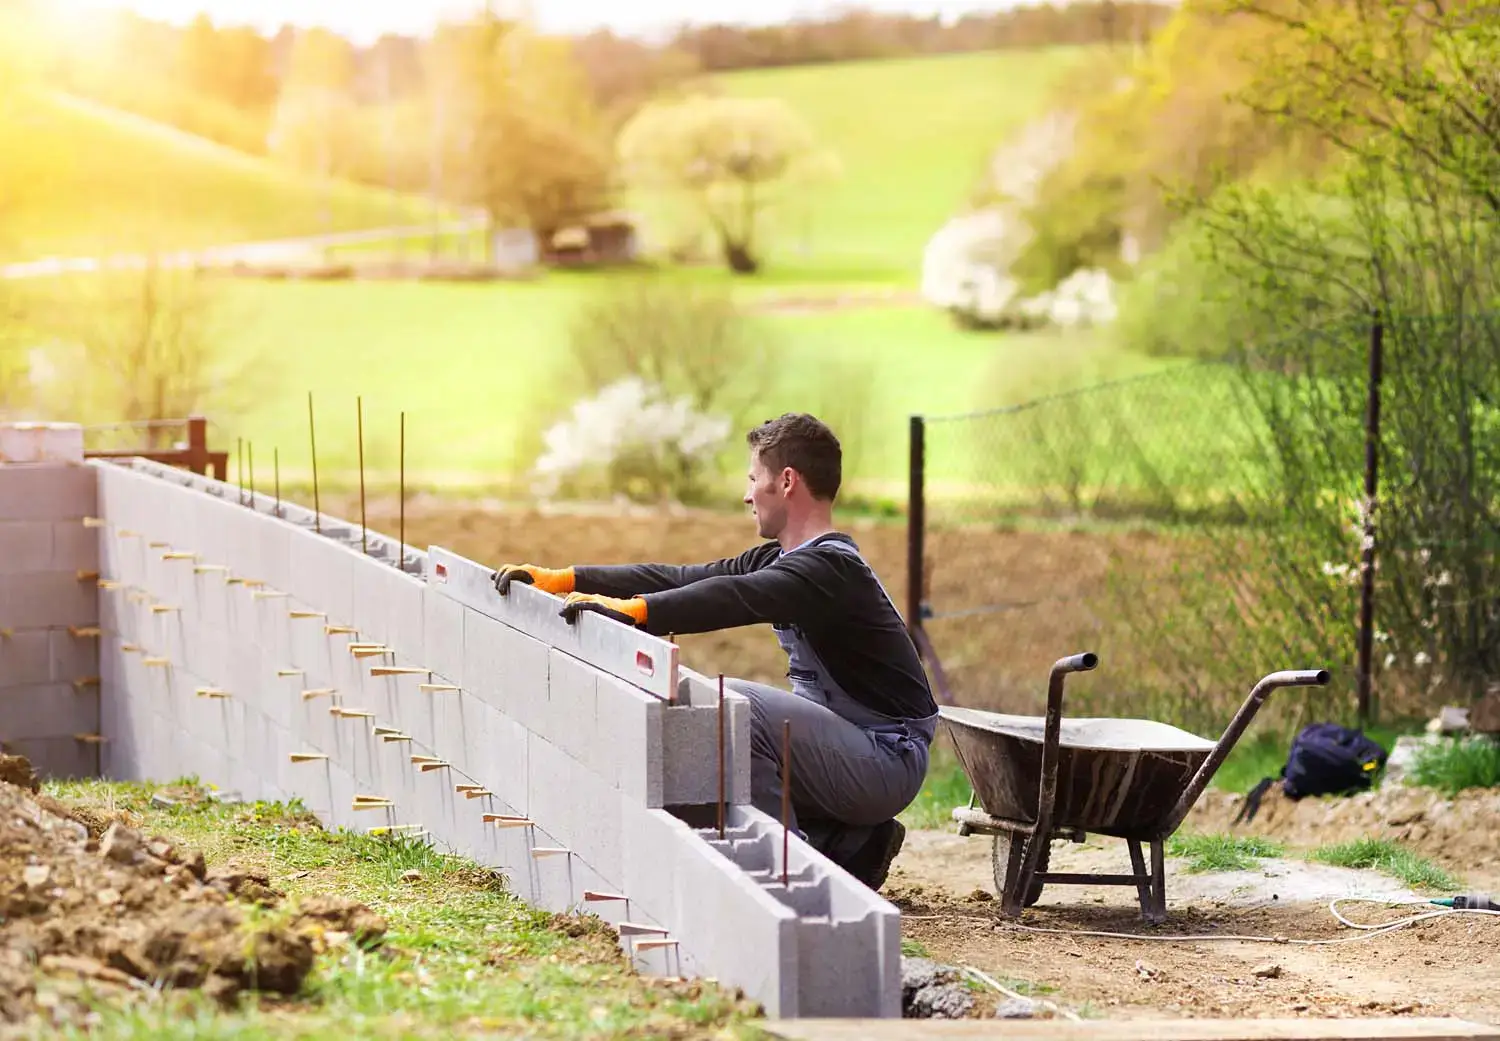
x=1037 y=779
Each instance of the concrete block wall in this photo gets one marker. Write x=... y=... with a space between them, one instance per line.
x=241 y=645
x=49 y=616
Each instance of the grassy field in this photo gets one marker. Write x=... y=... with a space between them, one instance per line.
x=480 y=370
x=912 y=136
x=99 y=182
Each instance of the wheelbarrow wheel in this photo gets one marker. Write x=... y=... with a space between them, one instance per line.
x=1000 y=852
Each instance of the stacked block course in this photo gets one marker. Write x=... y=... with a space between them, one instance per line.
x=49 y=616
x=276 y=654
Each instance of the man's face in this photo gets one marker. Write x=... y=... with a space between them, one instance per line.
x=766 y=495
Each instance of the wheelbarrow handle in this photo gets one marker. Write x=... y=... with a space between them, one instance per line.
x=1233 y=732
x=1075 y=663
x=1051 y=754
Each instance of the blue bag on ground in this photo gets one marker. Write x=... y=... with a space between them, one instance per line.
x=1325 y=759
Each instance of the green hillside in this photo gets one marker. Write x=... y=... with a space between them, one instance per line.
x=86 y=180
x=912 y=136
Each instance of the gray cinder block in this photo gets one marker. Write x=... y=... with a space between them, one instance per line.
x=47 y=598
x=443 y=634
x=47 y=491
x=504 y=668
x=570 y=715
x=401 y=601
x=57 y=758
x=74 y=546
x=47 y=710
x=504 y=766
x=26 y=657
x=631 y=737
x=457 y=713
x=690 y=755
x=25 y=546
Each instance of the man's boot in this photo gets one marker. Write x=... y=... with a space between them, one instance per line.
x=873 y=861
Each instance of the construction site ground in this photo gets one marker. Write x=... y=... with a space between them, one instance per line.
x=943 y=882
x=374 y=937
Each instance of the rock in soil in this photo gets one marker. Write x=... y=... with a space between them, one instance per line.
x=933 y=991
x=1017 y=1008
x=119 y=914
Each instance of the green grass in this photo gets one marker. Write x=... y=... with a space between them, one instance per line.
x=480 y=371
x=462 y=957
x=912 y=136
x=96 y=183
x=1389 y=857
x=946 y=787
x=1222 y=852
x=1458 y=764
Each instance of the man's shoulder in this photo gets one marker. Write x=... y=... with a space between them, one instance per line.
x=833 y=549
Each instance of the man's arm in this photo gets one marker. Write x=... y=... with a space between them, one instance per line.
x=639 y=579
x=792 y=590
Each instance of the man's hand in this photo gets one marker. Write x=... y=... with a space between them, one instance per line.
x=631 y=612
x=557 y=581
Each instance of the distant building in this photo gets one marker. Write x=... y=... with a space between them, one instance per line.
x=604 y=239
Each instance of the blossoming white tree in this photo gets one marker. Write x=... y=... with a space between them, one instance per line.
x=633 y=440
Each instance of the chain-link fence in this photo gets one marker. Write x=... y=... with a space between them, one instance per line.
x=1206 y=524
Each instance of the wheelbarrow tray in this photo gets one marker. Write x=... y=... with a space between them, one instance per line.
x=1115 y=776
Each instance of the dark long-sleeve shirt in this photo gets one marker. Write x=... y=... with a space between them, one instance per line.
x=831 y=595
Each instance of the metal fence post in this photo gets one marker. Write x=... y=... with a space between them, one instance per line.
x=1367 y=542
x=916 y=523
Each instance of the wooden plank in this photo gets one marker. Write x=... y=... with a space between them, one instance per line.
x=1360 y=1029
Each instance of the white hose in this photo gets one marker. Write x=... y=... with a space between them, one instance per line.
x=991 y=981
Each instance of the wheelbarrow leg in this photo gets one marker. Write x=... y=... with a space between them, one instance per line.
x=1158 y=912
x=1012 y=896
x=1142 y=879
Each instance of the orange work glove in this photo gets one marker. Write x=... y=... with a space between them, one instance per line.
x=631 y=612
x=558 y=581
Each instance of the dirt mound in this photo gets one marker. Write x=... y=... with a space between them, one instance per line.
x=1462 y=833
x=16 y=770
x=129 y=915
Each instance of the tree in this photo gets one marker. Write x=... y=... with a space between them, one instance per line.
x=732 y=157
x=145 y=344
x=232 y=64
x=316 y=101
x=517 y=131
x=1400 y=228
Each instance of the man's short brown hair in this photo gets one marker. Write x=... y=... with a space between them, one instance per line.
x=805 y=444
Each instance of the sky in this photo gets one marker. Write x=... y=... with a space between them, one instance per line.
x=364 y=20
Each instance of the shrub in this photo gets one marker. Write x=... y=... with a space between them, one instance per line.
x=631 y=440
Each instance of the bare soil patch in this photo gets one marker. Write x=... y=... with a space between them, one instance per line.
x=942 y=883
x=122 y=915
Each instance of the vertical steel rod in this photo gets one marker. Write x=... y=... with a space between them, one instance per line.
x=313 y=437
x=359 y=411
x=1367 y=542
x=239 y=470
x=276 y=476
x=721 y=755
x=401 y=559
x=786 y=797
